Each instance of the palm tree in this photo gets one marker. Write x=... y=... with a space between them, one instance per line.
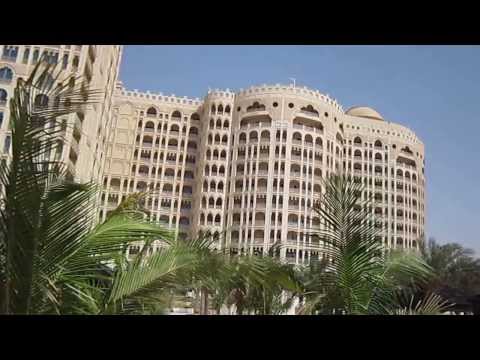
x=54 y=259
x=249 y=283
x=457 y=273
x=358 y=275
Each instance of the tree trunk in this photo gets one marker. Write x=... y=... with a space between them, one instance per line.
x=203 y=301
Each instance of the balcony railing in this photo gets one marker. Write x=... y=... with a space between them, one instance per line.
x=9 y=58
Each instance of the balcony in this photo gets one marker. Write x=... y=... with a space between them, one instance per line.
x=9 y=58
x=308 y=128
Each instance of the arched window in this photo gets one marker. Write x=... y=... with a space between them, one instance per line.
x=378 y=144
x=213 y=109
x=3 y=96
x=217 y=219
x=150 y=126
x=220 y=109
x=357 y=153
x=176 y=114
x=357 y=141
x=226 y=124
x=224 y=139
x=152 y=111
x=297 y=138
x=193 y=131
x=174 y=128
x=6 y=74
x=219 y=124
x=195 y=116
x=212 y=124
x=227 y=109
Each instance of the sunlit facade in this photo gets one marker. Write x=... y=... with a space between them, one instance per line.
x=86 y=133
x=249 y=164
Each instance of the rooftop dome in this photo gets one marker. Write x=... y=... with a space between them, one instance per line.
x=364 y=111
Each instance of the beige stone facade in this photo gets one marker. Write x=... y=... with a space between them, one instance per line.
x=248 y=164
x=86 y=133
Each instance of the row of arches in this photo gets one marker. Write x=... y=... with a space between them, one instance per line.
x=218 y=124
x=297 y=138
x=220 y=110
x=213 y=186
x=174 y=128
x=379 y=171
x=294 y=185
x=212 y=202
x=358 y=141
x=172 y=157
x=147 y=141
x=168 y=188
x=169 y=157
x=115 y=183
x=144 y=170
x=216 y=155
x=176 y=114
x=378 y=156
x=214 y=170
x=217 y=139
x=165 y=219
x=210 y=219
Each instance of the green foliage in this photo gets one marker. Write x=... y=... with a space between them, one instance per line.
x=456 y=268
x=54 y=259
x=358 y=275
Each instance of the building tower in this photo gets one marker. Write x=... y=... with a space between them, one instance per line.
x=86 y=132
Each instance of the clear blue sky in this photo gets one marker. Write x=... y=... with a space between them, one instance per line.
x=434 y=90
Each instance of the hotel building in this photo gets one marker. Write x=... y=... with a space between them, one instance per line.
x=249 y=164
